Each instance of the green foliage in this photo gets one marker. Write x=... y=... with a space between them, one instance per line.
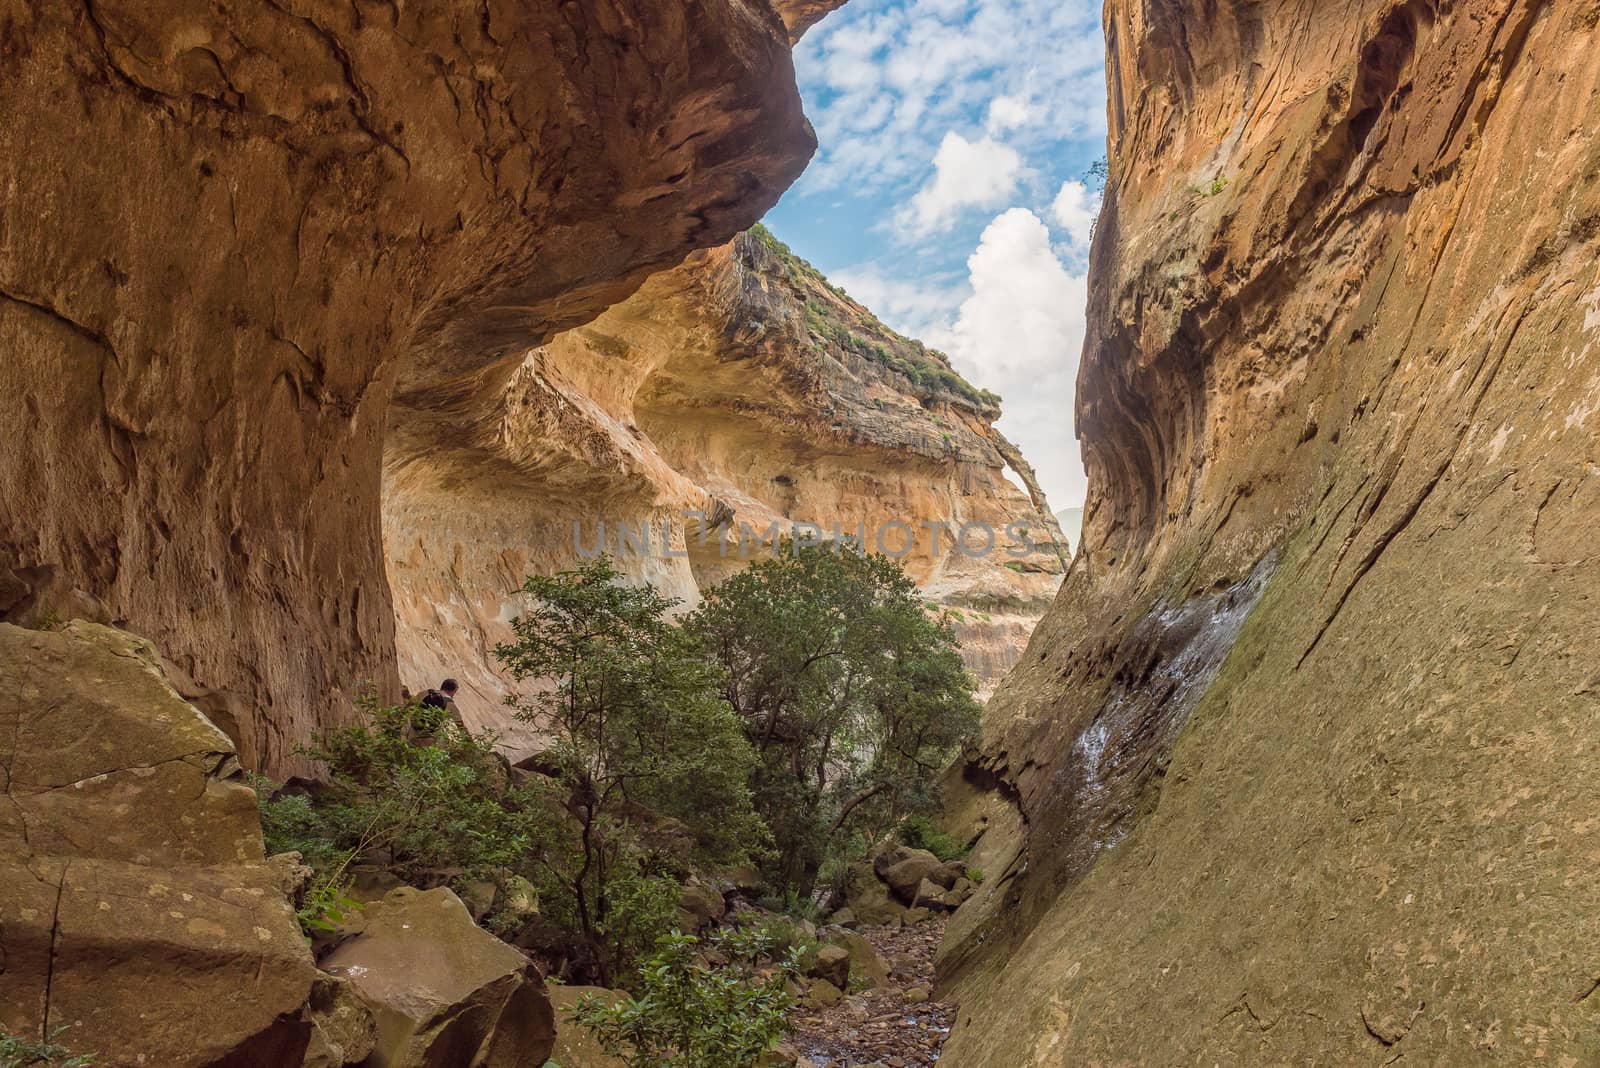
x=975 y=876
x=853 y=698
x=919 y=832
x=636 y=723
x=688 y=1014
x=927 y=370
x=325 y=904
x=1211 y=188
x=429 y=803
x=17 y=1052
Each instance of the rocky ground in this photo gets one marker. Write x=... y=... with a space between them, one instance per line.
x=897 y=1026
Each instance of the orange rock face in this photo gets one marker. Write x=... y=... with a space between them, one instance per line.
x=238 y=245
x=1298 y=768
x=744 y=390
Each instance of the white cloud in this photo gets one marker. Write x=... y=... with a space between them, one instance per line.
x=944 y=65
x=1020 y=333
x=1008 y=113
x=1074 y=210
x=916 y=308
x=966 y=174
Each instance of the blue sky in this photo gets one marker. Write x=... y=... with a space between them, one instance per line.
x=950 y=194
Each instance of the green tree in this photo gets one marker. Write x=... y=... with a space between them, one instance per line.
x=852 y=696
x=689 y=1014
x=635 y=724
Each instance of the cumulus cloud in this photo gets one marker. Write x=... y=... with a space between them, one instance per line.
x=883 y=80
x=1020 y=333
x=966 y=174
x=1008 y=113
x=915 y=307
x=1074 y=210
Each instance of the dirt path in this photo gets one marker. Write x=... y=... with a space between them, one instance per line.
x=895 y=1026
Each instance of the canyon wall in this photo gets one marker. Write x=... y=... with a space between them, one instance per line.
x=737 y=394
x=1300 y=766
x=240 y=245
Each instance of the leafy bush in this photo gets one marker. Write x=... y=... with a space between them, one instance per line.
x=919 y=832
x=853 y=699
x=689 y=1014
x=17 y=1052
x=636 y=722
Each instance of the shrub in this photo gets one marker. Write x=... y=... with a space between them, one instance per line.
x=689 y=1014
x=919 y=832
x=851 y=696
x=17 y=1052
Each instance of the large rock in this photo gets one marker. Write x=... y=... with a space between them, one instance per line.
x=346 y=219
x=868 y=899
x=136 y=908
x=865 y=960
x=444 y=991
x=831 y=962
x=575 y=1046
x=1304 y=755
x=904 y=869
x=343 y=1029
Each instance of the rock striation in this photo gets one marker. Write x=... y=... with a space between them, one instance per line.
x=241 y=245
x=741 y=391
x=1299 y=767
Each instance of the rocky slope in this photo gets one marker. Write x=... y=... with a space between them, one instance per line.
x=1300 y=766
x=735 y=395
x=242 y=245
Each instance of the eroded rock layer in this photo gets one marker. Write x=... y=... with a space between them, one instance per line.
x=230 y=235
x=1342 y=377
x=742 y=388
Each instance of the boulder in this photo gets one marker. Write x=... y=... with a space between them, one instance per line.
x=479 y=898
x=343 y=1030
x=865 y=960
x=868 y=899
x=443 y=990
x=830 y=962
x=701 y=905
x=929 y=894
x=135 y=899
x=844 y=917
x=821 y=994
x=903 y=869
x=575 y=1046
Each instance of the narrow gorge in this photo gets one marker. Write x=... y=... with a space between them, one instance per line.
x=323 y=325
x=1342 y=366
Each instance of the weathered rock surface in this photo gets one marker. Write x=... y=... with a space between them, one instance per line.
x=575 y=1046
x=134 y=897
x=443 y=990
x=905 y=869
x=240 y=244
x=741 y=387
x=1302 y=758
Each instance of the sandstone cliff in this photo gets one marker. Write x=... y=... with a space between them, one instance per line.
x=740 y=387
x=1300 y=767
x=240 y=245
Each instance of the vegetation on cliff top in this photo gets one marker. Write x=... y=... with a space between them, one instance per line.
x=833 y=318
